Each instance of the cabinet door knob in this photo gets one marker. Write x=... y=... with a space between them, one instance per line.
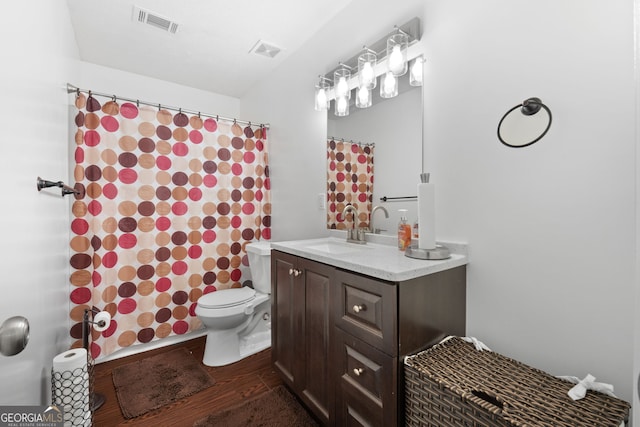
x=297 y=272
x=358 y=371
x=359 y=307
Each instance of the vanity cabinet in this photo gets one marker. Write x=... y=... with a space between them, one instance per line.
x=300 y=331
x=376 y=324
x=339 y=338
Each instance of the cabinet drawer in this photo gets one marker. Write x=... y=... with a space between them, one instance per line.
x=366 y=308
x=367 y=381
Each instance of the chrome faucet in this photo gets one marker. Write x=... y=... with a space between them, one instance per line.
x=356 y=234
x=386 y=215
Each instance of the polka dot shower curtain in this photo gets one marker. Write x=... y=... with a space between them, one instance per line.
x=349 y=182
x=168 y=202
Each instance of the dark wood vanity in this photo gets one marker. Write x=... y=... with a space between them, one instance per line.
x=339 y=338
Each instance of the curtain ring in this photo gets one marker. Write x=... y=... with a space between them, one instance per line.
x=217 y=119
x=113 y=98
x=199 y=115
x=159 y=107
x=138 y=103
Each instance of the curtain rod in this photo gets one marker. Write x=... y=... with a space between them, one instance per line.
x=365 y=144
x=71 y=89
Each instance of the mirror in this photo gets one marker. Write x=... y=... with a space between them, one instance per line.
x=394 y=125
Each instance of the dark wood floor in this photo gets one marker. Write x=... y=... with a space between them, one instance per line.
x=249 y=377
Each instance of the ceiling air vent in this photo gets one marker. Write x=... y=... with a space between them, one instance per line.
x=265 y=49
x=151 y=18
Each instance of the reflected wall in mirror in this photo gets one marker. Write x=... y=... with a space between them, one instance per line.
x=394 y=125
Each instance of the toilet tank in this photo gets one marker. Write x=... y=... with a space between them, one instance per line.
x=259 y=254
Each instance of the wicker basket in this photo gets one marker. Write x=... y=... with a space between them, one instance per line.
x=453 y=384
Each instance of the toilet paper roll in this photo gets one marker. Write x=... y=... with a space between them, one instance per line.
x=71 y=386
x=426 y=216
x=101 y=321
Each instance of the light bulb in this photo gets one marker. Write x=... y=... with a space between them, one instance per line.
x=342 y=106
x=389 y=86
x=415 y=79
x=342 y=88
x=367 y=74
x=363 y=97
x=321 y=100
x=395 y=60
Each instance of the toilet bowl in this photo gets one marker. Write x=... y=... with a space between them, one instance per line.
x=238 y=320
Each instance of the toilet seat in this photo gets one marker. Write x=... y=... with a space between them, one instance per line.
x=227 y=298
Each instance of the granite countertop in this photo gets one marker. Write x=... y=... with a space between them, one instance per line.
x=377 y=258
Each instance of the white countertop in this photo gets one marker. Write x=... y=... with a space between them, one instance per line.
x=381 y=260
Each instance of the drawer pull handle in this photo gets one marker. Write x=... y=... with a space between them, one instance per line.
x=358 y=371
x=359 y=307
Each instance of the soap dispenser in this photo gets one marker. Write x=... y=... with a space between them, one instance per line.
x=404 y=231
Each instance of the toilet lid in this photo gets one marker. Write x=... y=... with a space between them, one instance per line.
x=226 y=297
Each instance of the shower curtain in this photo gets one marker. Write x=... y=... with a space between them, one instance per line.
x=168 y=202
x=349 y=182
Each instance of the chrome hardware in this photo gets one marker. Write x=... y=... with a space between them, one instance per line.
x=356 y=234
x=359 y=307
x=291 y=272
x=14 y=335
x=358 y=371
x=386 y=215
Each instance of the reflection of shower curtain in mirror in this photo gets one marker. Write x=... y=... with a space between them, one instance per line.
x=171 y=201
x=349 y=182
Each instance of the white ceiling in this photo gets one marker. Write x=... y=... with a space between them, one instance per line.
x=211 y=50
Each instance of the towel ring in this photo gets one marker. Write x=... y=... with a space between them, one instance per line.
x=522 y=126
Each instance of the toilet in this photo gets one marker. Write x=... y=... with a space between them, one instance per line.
x=238 y=320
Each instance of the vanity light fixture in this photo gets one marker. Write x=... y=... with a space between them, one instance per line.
x=366 y=69
x=363 y=97
x=397 y=45
x=415 y=72
x=388 y=85
x=341 y=81
x=322 y=94
x=388 y=58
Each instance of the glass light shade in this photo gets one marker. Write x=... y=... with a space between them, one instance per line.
x=341 y=106
x=363 y=97
x=322 y=95
x=388 y=85
x=341 y=82
x=366 y=69
x=397 y=45
x=415 y=72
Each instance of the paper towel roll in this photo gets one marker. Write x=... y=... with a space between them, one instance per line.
x=71 y=386
x=102 y=316
x=426 y=216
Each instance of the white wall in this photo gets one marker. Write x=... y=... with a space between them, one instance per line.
x=38 y=53
x=551 y=226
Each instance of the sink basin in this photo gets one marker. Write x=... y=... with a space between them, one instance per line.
x=336 y=248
